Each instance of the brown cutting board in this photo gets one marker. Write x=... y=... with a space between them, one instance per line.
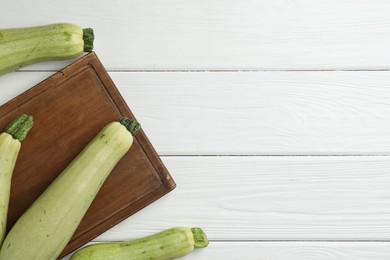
x=69 y=109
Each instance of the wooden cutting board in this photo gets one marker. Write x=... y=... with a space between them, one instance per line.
x=69 y=109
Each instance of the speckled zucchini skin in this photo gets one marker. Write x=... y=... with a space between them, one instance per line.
x=20 y=47
x=168 y=244
x=9 y=150
x=10 y=144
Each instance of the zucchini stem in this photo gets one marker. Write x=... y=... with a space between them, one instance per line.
x=88 y=37
x=131 y=125
x=200 y=238
x=19 y=127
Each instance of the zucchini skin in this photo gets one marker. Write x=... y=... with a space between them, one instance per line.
x=168 y=244
x=9 y=150
x=10 y=145
x=46 y=227
x=20 y=47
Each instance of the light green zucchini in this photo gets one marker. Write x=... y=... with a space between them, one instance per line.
x=43 y=231
x=168 y=244
x=10 y=144
x=20 y=47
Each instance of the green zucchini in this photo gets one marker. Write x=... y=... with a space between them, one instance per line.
x=10 y=144
x=45 y=228
x=168 y=244
x=20 y=47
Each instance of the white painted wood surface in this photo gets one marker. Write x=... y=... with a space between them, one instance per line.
x=272 y=116
x=272 y=198
x=254 y=113
x=223 y=34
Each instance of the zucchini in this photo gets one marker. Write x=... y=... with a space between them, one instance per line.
x=168 y=244
x=45 y=228
x=20 y=47
x=10 y=144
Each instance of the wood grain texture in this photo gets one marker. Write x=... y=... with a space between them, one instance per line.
x=250 y=34
x=271 y=198
x=267 y=113
x=255 y=113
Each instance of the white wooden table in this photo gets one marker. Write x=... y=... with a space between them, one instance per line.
x=272 y=116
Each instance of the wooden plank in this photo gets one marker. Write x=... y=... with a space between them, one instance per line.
x=251 y=34
x=240 y=113
x=267 y=113
x=340 y=198
x=291 y=251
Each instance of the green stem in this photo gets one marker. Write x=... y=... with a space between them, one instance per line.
x=200 y=238
x=19 y=127
x=88 y=37
x=131 y=125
